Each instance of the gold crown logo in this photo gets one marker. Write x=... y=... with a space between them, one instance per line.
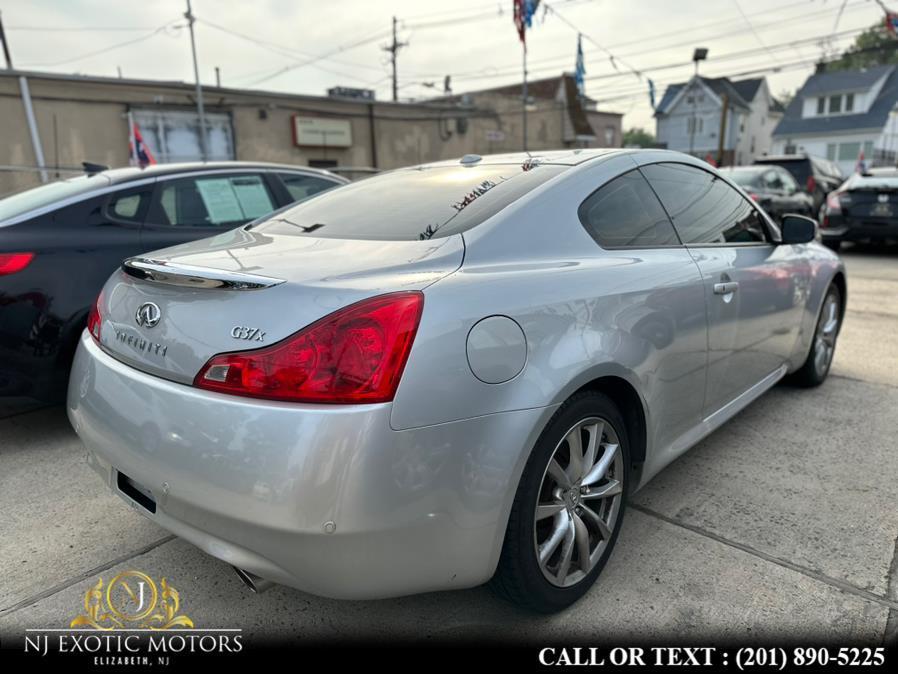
x=132 y=600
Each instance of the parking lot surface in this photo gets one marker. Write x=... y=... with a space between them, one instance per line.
x=782 y=524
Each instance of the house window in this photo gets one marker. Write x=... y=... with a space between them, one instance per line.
x=868 y=150
x=609 y=136
x=849 y=151
x=835 y=104
x=849 y=102
x=831 y=151
x=821 y=105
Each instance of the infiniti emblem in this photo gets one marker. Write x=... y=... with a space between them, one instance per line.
x=148 y=314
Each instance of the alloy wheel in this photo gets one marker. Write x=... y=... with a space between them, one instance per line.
x=579 y=501
x=827 y=331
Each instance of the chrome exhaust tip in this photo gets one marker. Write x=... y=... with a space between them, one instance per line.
x=252 y=581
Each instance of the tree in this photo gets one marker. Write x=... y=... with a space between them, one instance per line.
x=874 y=47
x=638 y=137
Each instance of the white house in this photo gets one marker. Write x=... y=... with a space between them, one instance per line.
x=688 y=118
x=840 y=114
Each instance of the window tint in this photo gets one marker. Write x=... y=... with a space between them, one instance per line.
x=214 y=200
x=302 y=186
x=625 y=212
x=46 y=195
x=411 y=204
x=704 y=209
x=129 y=206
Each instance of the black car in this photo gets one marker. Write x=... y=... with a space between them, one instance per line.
x=865 y=208
x=773 y=188
x=61 y=241
x=816 y=176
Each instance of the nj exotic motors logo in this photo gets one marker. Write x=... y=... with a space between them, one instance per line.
x=132 y=620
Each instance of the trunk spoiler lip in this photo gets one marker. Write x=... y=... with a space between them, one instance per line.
x=191 y=276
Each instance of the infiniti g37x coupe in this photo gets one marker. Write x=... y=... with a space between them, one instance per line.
x=449 y=373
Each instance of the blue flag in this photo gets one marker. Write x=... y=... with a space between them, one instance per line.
x=652 y=93
x=580 y=68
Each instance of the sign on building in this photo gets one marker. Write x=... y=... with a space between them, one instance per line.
x=321 y=132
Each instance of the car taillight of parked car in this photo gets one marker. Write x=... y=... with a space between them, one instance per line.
x=95 y=318
x=833 y=207
x=12 y=263
x=811 y=184
x=354 y=355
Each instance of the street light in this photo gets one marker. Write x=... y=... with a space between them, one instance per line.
x=700 y=54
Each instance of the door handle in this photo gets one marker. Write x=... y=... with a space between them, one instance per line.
x=726 y=288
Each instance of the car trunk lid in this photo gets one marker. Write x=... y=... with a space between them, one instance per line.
x=169 y=312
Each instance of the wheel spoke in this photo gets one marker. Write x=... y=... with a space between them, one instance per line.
x=611 y=488
x=597 y=472
x=558 y=532
x=575 y=449
x=544 y=510
x=567 y=552
x=581 y=534
x=596 y=520
x=558 y=474
x=592 y=447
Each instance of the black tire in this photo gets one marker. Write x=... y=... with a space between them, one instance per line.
x=519 y=577
x=810 y=374
x=833 y=244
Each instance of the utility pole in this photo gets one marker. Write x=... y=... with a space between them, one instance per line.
x=218 y=77
x=204 y=152
x=524 y=101
x=699 y=54
x=725 y=102
x=5 y=45
x=393 y=49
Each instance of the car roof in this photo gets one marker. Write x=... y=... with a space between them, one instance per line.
x=782 y=157
x=562 y=157
x=127 y=174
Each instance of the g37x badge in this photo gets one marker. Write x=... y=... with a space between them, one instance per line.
x=247 y=333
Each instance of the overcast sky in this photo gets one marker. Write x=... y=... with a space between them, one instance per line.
x=306 y=46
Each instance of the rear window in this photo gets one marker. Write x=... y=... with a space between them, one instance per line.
x=411 y=204
x=46 y=195
x=799 y=168
x=745 y=177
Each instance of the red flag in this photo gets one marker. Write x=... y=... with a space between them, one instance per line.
x=143 y=156
x=520 y=20
x=892 y=23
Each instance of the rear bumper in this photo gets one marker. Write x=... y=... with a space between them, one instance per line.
x=258 y=484
x=857 y=230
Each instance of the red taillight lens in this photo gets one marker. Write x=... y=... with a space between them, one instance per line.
x=833 y=204
x=11 y=263
x=812 y=184
x=754 y=197
x=355 y=355
x=95 y=319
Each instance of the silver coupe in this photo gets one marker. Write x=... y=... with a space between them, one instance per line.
x=448 y=374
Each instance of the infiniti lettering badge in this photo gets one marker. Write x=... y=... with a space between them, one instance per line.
x=148 y=314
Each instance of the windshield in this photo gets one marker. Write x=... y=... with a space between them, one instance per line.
x=411 y=204
x=744 y=177
x=872 y=182
x=45 y=195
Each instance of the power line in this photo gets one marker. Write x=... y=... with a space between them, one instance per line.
x=112 y=47
x=752 y=28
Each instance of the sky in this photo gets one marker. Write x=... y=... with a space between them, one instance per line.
x=307 y=46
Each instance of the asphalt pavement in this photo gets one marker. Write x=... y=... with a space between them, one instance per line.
x=782 y=524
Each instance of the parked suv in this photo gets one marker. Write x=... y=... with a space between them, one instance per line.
x=59 y=242
x=817 y=176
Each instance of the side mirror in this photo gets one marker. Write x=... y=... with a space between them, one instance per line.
x=798 y=229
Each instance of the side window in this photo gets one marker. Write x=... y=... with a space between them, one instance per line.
x=304 y=186
x=773 y=180
x=213 y=201
x=626 y=213
x=704 y=209
x=789 y=183
x=129 y=205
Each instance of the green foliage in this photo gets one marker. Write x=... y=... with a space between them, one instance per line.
x=874 y=47
x=639 y=137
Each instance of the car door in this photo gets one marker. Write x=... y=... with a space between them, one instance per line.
x=752 y=285
x=189 y=207
x=659 y=312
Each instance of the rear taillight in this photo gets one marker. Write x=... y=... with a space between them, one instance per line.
x=833 y=204
x=11 y=263
x=95 y=319
x=812 y=184
x=355 y=355
x=755 y=197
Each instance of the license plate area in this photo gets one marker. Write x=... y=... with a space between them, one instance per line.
x=136 y=492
